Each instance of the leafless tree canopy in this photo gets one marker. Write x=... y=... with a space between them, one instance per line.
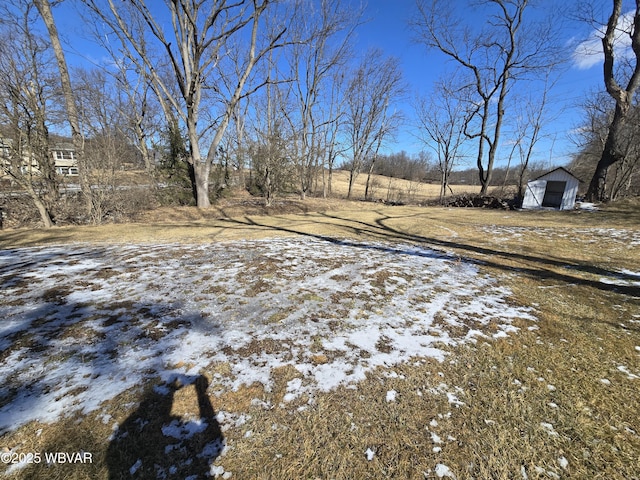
x=508 y=48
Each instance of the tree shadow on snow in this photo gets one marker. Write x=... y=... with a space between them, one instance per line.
x=168 y=437
x=539 y=267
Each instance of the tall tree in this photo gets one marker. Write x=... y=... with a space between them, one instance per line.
x=44 y=8
x=109 y=147
x=371 y=116
x=28 y=97
x=623 y=93
x=622 y=176
x=272 y=147
x=334 y=112
x=442 y=120
x=495 y=56
x=199 y=47
x=324 y=31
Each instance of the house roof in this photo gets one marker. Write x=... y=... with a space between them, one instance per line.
x=556 y=169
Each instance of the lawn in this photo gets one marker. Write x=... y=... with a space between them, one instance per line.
x=344 y=340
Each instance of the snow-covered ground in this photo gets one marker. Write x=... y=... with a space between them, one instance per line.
x=623 y=239
x=626 y=238
x=80 y=324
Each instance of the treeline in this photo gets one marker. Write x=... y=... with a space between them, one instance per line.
x=420 y=167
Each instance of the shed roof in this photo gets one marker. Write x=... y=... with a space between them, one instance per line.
x=556 y=169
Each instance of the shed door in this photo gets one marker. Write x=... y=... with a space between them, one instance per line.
x=553 y=194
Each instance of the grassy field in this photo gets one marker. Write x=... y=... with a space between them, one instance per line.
x=557 y=399
x=395 y=190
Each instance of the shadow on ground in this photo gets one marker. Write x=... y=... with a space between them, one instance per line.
x=538 y=267
x=156 y=441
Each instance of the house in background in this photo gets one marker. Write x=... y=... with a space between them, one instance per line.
x=65 y=159
x=63 y=154
x=555 y=189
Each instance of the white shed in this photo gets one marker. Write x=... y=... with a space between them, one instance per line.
x=555 y=189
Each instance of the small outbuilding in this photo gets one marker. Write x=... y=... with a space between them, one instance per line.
x=555 y=189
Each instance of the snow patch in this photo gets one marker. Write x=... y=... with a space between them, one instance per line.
x=442 y=471
x=370 y=454
x=111 y=318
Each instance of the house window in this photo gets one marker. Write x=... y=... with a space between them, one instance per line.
x=64 y=155
x=67 y=171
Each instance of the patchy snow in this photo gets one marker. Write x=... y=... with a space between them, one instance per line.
x=182 y=430
x=586 y=206
x=81 y=324
x=135 y=467
x=626 y=238
x=622 y=277
x=549 y=473
x=391 y=396
x=442 y=471
x=626 y=371
x=563 y=462
x=452 y=397
x=370 y=454
x=548 y=427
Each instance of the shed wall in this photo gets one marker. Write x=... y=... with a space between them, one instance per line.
x=535 y=190
x=534 y=194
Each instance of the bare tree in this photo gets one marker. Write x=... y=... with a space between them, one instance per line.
x=237 y=142
x=105 y=121
x=44 y=8
x=324 y=31
x=370 y=114
x=28 y=88
x=494 y=57
x=613 y=151
x=197 y=46
x=133 y=98
x=591 y=138
x=272 y=147
x=529 y=130
x=335 y=112
x=443 y=120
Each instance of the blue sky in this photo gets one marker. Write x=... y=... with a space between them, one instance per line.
x=388 y=29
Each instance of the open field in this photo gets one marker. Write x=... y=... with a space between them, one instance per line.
x=394 y=189
x=327 y=340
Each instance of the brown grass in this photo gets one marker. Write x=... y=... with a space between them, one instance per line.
x=511 y=388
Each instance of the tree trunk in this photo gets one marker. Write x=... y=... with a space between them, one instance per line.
x=482 y=175
x=44 y=213
x=45 y=216
x=352 y=178
x=202 y=185
x=192 y=179
x=597 y=190
x=623 y=97
x=44 y=8
x=598 y=186
x=366 y=189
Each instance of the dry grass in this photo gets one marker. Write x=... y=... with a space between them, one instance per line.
x=395 y=190
x=512 y=388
